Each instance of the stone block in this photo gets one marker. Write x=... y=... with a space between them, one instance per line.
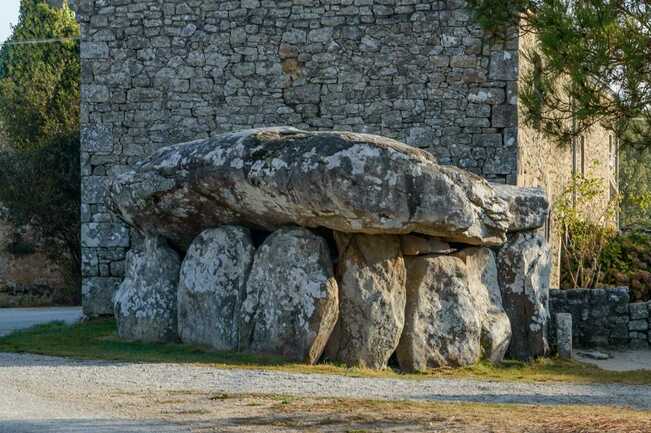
x=638 y=325
x=93 y=189
x=638 y=310
x=94 y=50
x=97 y=138
x=94 y=93
x=105 y=235
x=619 y=331
x=504 y=116
x=503 y=66
x=97 y=293
x=634 y=335
x=421 y=137
x=564 y=335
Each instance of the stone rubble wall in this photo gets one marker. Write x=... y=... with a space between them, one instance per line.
x=603 y=317
x=158 y=72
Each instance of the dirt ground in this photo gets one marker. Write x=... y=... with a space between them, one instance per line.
x=204 y=413
x=57 y=395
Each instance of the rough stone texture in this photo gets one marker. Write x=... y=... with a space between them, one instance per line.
x=564 y=335
x=291 y=304
x=528 y=207
x=523 y=265
x=97 y=294
x=600 y=317
x=272 y=177
x=371 y=275
x=638 y=310
x=442 y=322
x=212 y=286
x=413 y=245
x=487 y=299
x=424 y=72
x=145 y=304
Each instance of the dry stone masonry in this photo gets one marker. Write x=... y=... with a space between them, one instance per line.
x=156 y=72
x=337 y=245
x=604 y=317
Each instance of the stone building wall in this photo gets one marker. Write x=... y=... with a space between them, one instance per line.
x=603 y=317
x=542 y=162
x=157 y=72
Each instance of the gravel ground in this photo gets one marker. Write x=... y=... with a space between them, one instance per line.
x=87 y=376
x=47 y=394
x=620 y=360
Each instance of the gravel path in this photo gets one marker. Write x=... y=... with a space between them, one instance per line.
x=65 y=377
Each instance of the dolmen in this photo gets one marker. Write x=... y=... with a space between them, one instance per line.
x=335 y=246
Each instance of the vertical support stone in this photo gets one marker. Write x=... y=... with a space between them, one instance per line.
x=564 y=335
x=524 y=268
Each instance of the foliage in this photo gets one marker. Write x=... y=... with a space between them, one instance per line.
x=595 y=64
x=41 y=188
x=626 y=260
x=39 y=83
x=39 y=113
x=635 y=187
x=583 y=238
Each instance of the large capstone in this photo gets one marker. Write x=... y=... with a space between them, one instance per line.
x=371 y=276
x=212 y=287
x=528 y=207
x=443 y=324
x=145 y=303
x=291 y=304
x=487 y=298
x=271 y=177
x=524 y=267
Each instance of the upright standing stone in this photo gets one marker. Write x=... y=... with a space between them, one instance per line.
x=524 y=267
x=371 y=277
x=145 y=303
x=291 y=301
x=564 y=335
x=442 y=321
x=487 y=297
x=212 y=287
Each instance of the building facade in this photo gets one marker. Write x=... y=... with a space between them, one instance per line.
x=158 y=72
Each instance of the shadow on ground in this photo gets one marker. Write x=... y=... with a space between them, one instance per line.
x=91 y=426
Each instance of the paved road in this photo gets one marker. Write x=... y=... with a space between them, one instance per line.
x=12 y=319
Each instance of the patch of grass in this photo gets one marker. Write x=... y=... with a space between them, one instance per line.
x=503 y=418
x=97 y=340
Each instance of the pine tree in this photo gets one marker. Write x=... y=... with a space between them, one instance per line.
x=595 y=64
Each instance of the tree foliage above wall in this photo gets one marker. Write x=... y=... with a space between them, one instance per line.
x=39 y=114
x=595 y=58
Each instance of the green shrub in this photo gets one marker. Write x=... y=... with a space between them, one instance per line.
x=585 y=233
x=625 y=262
